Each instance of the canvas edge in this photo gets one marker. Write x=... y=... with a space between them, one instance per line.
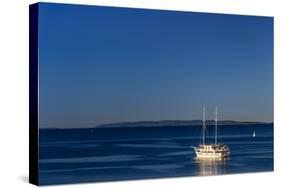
x=33 y=94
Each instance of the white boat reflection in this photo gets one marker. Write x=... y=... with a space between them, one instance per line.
x=211 y=166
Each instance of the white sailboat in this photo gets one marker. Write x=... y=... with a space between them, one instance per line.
x=254 y=134
x=211 y=151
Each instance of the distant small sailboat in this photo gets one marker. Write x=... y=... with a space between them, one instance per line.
x=254 y=134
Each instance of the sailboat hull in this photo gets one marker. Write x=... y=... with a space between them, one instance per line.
x=202 y=155
x=212 y=151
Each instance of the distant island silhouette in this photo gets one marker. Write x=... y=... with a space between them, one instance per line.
x=175 y=123
x=165 y=123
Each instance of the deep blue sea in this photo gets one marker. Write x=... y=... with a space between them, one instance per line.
x=107 y=154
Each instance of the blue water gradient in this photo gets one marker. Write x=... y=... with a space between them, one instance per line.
x=109 y=154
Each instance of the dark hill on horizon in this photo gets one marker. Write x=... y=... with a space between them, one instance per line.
x=174 y=123
x=165 y=123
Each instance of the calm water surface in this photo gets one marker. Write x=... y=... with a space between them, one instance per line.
x=107 y=154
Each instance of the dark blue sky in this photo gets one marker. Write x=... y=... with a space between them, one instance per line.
x=102 y=65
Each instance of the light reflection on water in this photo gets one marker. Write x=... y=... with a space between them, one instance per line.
x=210 y=167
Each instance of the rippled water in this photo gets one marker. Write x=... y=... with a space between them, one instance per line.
x=108 y=154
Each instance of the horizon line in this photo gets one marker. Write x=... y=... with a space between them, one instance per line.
x=95 y=126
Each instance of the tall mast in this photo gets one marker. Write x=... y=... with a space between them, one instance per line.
x=216 y=125
x=203 y=128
